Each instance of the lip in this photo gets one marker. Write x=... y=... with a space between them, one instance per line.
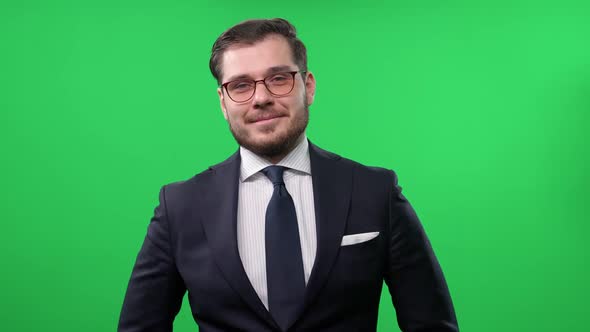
x=263 y=121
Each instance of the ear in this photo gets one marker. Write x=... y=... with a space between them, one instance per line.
x=222 y=102
x=309 y=87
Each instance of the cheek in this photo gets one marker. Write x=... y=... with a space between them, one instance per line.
x=294 y=104
x=234 y=114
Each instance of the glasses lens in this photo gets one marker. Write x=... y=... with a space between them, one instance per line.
x=240 y=90
x=280 y=84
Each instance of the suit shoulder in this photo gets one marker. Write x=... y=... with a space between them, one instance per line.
x=188 y=185
x=369 y=170
x=370 y=181
x=363 y=170
x=359 y=169
x=373 y=176
x=183 y=185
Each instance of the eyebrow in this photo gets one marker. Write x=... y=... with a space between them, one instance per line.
x=269 y=71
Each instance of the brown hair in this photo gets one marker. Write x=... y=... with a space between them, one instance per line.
x=252 y=31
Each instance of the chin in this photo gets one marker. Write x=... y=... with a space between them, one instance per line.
x=272 y=137
x=268 y=145
x=269 y=142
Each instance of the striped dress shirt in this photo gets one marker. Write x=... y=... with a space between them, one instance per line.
x=255 y=191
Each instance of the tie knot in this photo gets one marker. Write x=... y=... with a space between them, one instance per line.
x=274 y=174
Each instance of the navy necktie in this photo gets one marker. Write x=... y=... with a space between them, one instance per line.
x=284 y=264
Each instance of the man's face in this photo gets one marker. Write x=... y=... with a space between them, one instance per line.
x=267 y=125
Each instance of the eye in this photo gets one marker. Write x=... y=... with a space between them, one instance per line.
x=240 y=85
x=280 y=78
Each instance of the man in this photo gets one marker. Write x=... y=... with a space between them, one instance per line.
x=282 y=236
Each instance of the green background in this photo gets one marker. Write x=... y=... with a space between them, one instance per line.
x=480 y=107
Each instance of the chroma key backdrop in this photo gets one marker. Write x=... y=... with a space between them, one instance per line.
x=481 y=108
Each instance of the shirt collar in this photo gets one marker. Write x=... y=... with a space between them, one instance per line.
x=297 y=159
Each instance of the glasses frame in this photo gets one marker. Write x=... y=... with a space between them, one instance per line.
x=293 y=73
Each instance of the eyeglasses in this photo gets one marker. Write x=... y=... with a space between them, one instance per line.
x=279 y=84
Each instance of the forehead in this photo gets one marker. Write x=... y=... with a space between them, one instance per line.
x=255 y=60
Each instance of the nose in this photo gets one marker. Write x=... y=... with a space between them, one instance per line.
x=262 y=97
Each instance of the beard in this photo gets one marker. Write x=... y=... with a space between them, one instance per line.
x=279 y=145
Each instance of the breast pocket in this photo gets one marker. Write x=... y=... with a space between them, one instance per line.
x=351 y=239
x=360 y=265
x=363 y=247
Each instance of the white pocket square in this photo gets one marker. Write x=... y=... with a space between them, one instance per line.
x=358 y=238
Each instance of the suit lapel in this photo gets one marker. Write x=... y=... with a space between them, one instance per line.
x=332 y=187
x=219 y=195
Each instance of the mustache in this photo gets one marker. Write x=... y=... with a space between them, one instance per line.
x=264 y=115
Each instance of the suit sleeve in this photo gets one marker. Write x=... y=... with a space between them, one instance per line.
x=155 y=291
x=413 y=275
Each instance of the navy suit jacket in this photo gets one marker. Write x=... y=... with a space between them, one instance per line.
x=191 y=245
